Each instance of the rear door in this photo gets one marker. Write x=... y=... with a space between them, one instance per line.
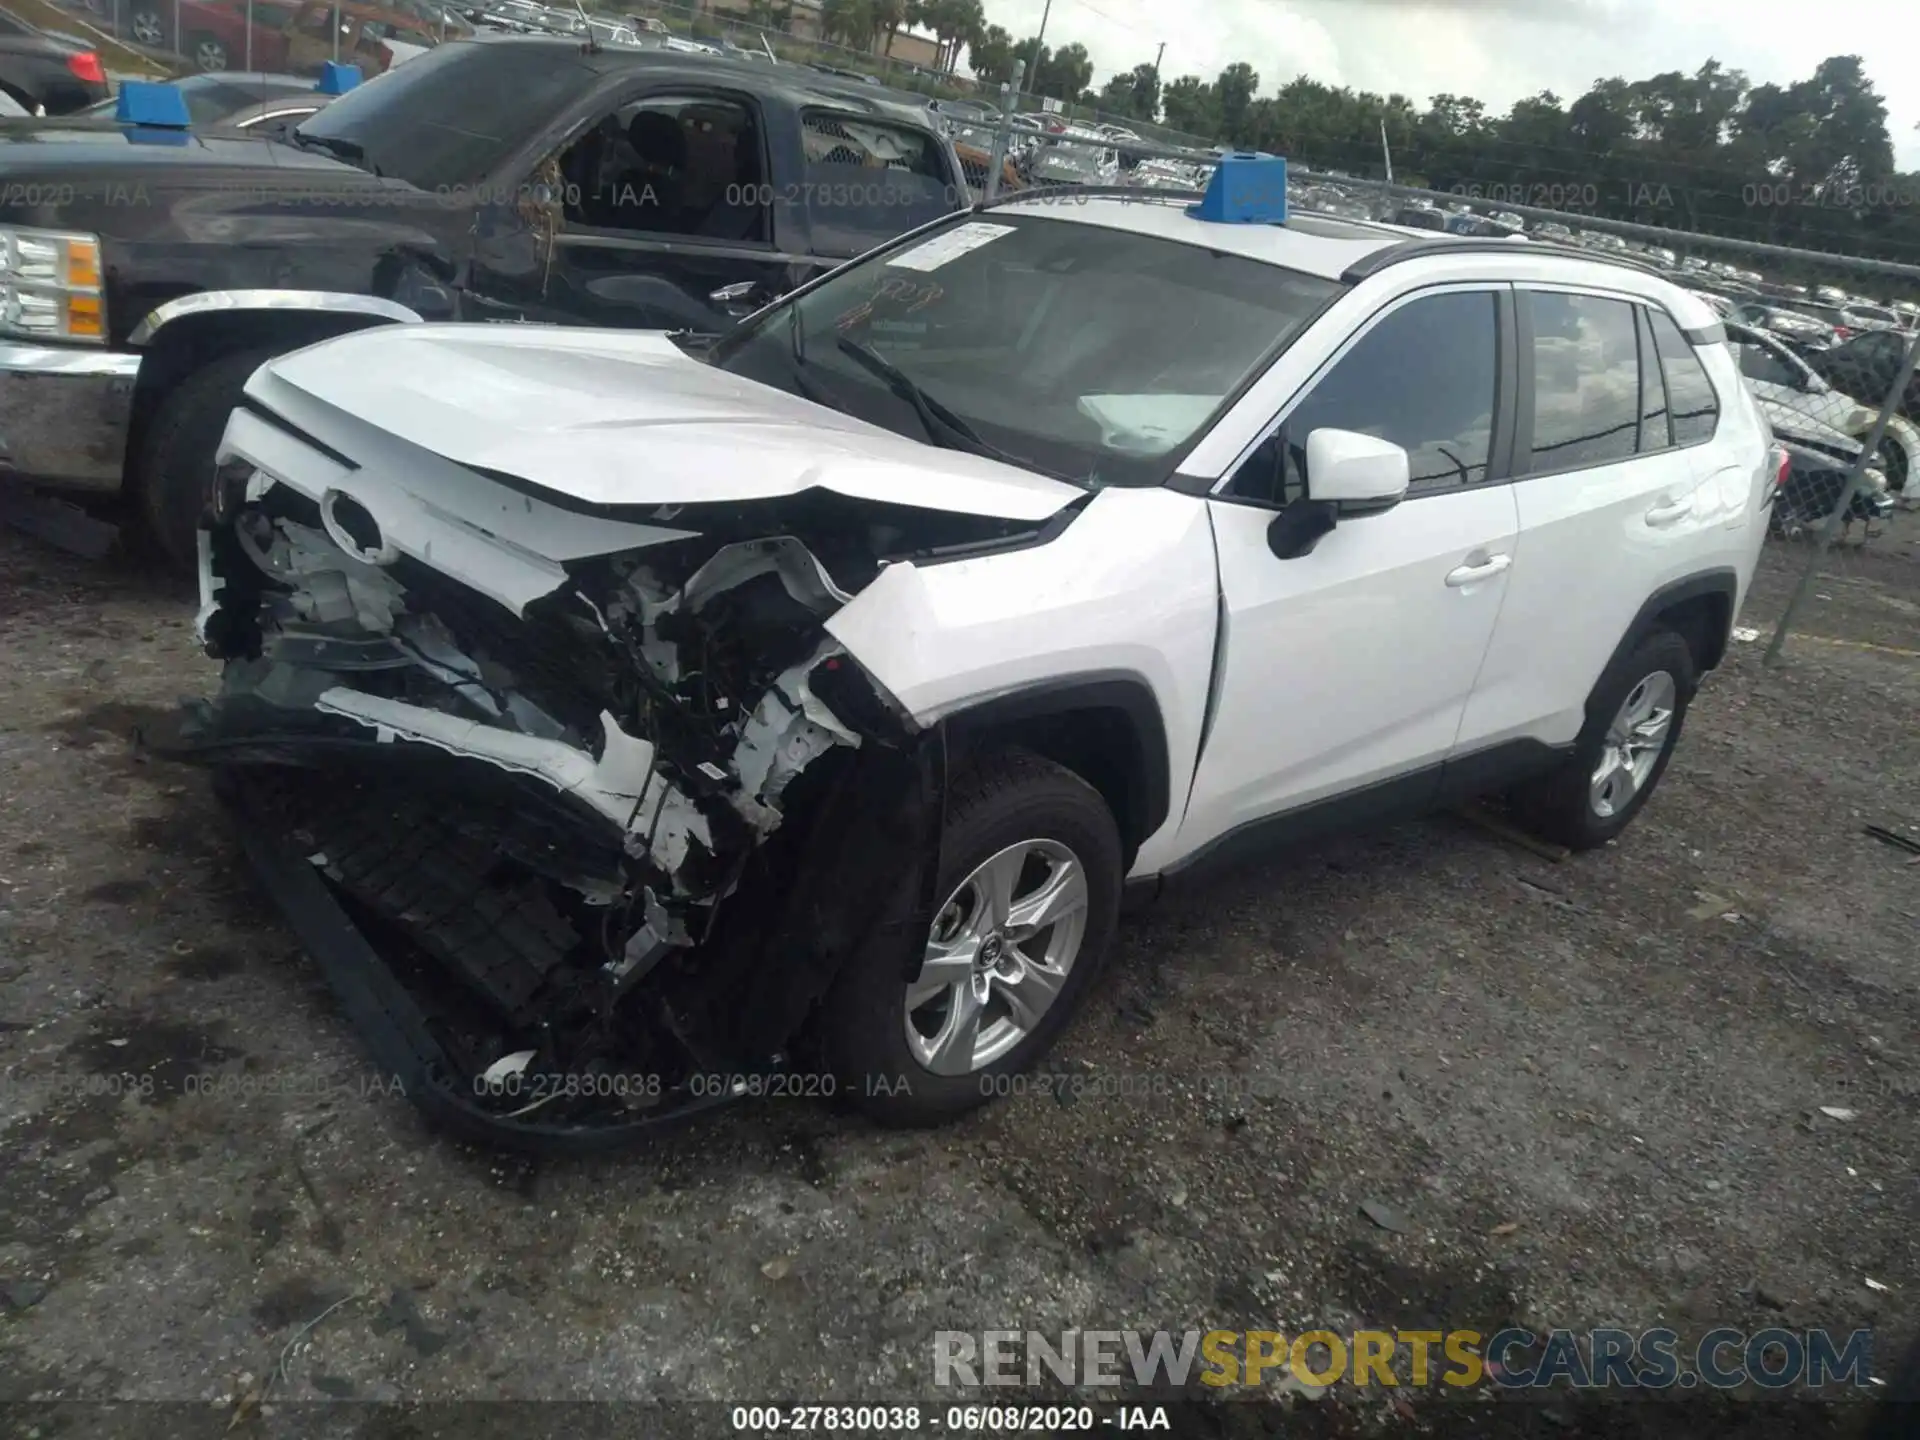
x=1614 y=487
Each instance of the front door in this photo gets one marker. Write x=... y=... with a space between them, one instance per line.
x=1345 y=672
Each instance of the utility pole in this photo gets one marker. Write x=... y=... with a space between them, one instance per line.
x=1039 y=44
x=1159 y=55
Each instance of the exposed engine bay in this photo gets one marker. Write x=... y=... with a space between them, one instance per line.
x=588 y=866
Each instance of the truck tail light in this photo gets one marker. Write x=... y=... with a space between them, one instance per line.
x=86 y=65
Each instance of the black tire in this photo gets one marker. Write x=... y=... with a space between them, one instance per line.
x=1561 y=806
x=1007 y=798
x=173 y=476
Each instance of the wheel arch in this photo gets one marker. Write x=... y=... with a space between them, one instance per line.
x=185 y=333
x=1699 y=608
x=1106 y=727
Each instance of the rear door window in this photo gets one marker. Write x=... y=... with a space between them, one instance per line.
x=1586 y=381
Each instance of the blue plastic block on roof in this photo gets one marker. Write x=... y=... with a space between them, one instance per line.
x=1246 y=189
x=149 y=102
x=337 y=79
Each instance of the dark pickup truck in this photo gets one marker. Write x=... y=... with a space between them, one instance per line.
x=492 y=179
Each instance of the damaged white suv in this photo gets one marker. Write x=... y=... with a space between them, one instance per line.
x=628 y=722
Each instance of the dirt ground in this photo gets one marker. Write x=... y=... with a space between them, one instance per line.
x=1586 y=1092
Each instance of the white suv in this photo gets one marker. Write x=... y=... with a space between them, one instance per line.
x=793 y=708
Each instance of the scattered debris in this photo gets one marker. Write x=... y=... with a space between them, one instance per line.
x=58 y=522
x=1711 y=906
x=1385 y=1216
x=402 y=1312
x=1893 y=838
x=1873 y=1284
x=23 y=1294
x=777 y=1268
x=1505 y=829
x=1745 y=634
x=1767 y=1297
x=287 y=1350
x=1839 y=1112
x=1507 y=1228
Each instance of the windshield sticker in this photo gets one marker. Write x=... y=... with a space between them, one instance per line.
x=908 y=295
x=949 y=245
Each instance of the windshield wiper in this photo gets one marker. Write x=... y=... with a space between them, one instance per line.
x=346 y=150
x=935 y=418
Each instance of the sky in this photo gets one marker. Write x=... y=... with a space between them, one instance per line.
x=1494 y=50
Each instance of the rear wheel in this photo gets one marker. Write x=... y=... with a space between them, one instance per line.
x=1029 y=890
x=173 y=479
x=1633 y=722
x=147 y=28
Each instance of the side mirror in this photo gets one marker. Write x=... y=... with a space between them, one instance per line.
x=741 y=298
x=1348 y=475
x=1358 y=473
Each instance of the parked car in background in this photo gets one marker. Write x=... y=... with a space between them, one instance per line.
x=1865 y=315
x=227 y=96
x=1867 y=365
x=1806 y=333
x=1803 y=407
x=289 y=36
x=48 y=73
x=1075 y=162
x=620 y=188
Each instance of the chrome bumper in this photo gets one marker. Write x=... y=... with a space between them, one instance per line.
x=64 y=413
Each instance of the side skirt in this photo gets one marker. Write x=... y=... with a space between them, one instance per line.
x=1402 y=797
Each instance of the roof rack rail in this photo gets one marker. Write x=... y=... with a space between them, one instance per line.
x=1143 y=193
x=1373 y=264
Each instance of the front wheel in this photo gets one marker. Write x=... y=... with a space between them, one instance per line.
x=1633 y=722
x=1029 y=888
x=173 y=479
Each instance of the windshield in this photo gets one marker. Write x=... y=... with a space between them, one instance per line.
x=1093 y=354
x=437 y=120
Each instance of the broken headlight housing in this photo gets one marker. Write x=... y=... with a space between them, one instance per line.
x=50 y=285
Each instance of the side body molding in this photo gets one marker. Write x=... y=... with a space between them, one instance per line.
x=205 y=302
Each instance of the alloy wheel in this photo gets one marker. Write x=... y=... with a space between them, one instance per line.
x=997 y=957
x=148 y=30
x=1633 y=744
x=210 y=55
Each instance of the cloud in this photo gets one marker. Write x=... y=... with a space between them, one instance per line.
x=1495 y=50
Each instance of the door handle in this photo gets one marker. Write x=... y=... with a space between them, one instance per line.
x=1482 y=570
x=1668 y=511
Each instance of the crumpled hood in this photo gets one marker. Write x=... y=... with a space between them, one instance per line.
x=1791 y=423
x=614 y=418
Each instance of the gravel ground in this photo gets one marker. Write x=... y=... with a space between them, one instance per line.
x=1588 y=1091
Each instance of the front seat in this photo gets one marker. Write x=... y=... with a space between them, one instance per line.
x=658 y=182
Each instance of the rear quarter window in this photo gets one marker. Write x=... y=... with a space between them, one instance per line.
x=1690 y=393
x=868 y=180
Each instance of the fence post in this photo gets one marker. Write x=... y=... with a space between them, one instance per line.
x=1856 y=477
x=249 y=36
x=997 y=161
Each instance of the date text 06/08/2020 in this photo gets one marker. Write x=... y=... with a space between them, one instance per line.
x=952 y=1419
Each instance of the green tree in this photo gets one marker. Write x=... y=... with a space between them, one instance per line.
x=991 y=57
x=1189 y=105
x=1063 y=75
x=1234 y=91
x=847 y=22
